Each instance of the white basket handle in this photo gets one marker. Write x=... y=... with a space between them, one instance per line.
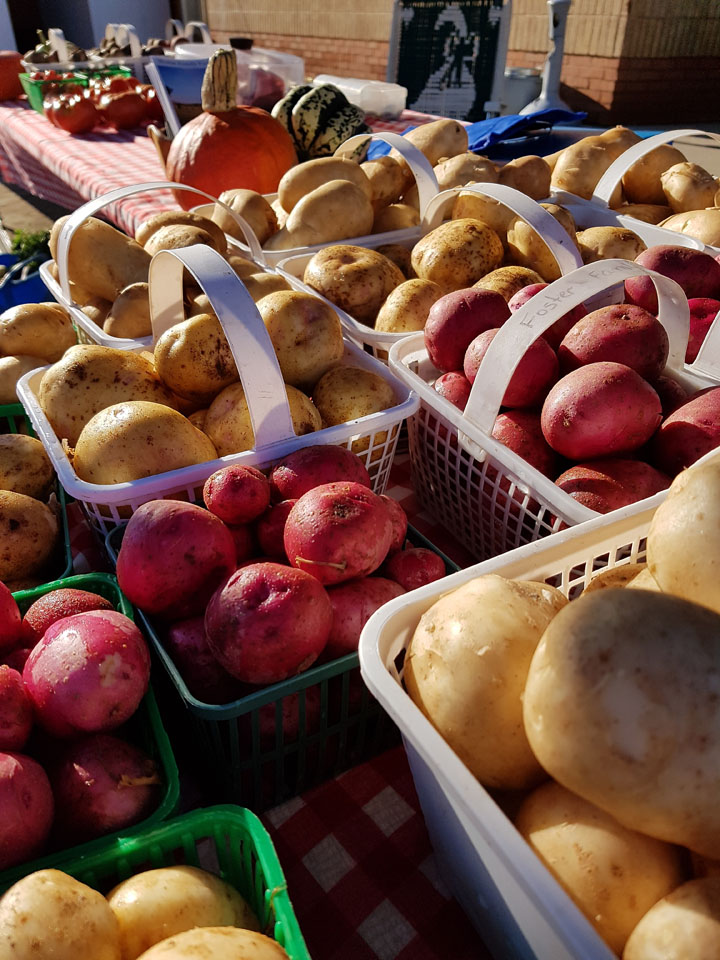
x=246 y=333
x=618 y=168
x=707 y=361
x=125 y=33
x=58 y=43
x=92 y=207
x=202 y=27
x=550 y=230
x=173 y=28
x=420 y=166
x=541 y=311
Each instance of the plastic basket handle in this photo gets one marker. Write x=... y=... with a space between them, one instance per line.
x=541 y=311
x=708 y=359
x=202 y=27
x=553 y=233
x=618 y=168
x=92 y=206
x=247 y=336
x=58 y=43
x=173 y=28
x=124 y=33
x=420 y=166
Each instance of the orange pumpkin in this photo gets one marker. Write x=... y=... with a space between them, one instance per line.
x=10 y=67
x=228 y=146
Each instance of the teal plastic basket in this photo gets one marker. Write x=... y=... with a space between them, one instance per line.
x=145 y=729
x=243 y=748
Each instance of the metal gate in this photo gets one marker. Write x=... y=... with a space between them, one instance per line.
x=444 y=53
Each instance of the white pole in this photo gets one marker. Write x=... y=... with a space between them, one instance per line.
x=549 y=98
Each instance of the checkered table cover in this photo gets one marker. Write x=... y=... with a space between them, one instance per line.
x=68 y=170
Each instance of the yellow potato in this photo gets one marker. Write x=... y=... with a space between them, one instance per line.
x=613 y=874
x=242 y=266
x=647 y=212
x=400 y=256
x=179 y=235
x=508 y=280
x=644 y=581
x=465 y=669
x=641 y=182
x=11 y=370
x=603 y=243
x=156 y=904
x=465 y=168
x=437 y=139
x=252 y=207
x=386 y=178
x=102 y=259
x=129 y=315
x=194 y=360
x=527 y=248
x=457 y=253
x=36 y=330
x=684 y=925
x=28 y=535
x=135 y=439
x=529 y=175
x=306 y=334
x=97 y=309
x=333 y=211
x=218 y=943
x=579 y=167
x=688 y=186
x=50 y=914
x=406 y=308
x=228 y=424
x=496 y=215
x=346 y=393
x=398 y=216
x=88 y=379
x=702 y=224
x=260 y=285
x=356 y=279
x=24 y=466
x=615 y=577
x=170 y=218
x=304 y=178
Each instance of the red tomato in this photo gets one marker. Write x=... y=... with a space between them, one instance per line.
x=153 y=109
x=119 y=84
x=49 y=109
x=75 y=114
x=123 y=110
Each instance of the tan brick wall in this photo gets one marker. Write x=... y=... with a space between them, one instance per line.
x=366 y=21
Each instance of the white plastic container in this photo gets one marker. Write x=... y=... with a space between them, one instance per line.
x=285 y=66
x=517 y=906
x=88 y=331
x=561 y=246
x=386 y=100
x=489 y=497
x=106 y=505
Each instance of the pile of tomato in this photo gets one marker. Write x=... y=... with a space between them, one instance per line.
x=115 y=101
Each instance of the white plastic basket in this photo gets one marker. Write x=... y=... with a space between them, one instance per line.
x=87 y=330
x=597 y=210
x=489 y=497
x=518 y=907
x=124 y=33
x=561 y=246
x=108 y=504
x=427 y=189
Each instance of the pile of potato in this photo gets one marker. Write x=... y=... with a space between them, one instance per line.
x=172 y=913
x=31 y=335
x=614 y=696
x=29 y=521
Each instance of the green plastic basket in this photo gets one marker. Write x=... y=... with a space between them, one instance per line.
x=246 y=755
x=35 y=89
x=228 y=841
x=145 y=729
x=13 y=419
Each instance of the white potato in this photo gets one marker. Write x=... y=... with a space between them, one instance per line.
x=218 y=943
x=684 y=925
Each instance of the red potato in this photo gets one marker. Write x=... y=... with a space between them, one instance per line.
x=520 y=431
x=414 y=567
x=557 y=332
x=605 y=485
x=353 y=603
x=456 y=319
x=703 y=311
x=620 y=333
x=671 y=393
x=17 y=658
x=26 y=808
x=304 y=469
x=10 y=620
x=697 y=273
x=533 y=376
x=337 y=532
x=16 y=712
x=600 y=410
x=244 y=539
x=88 y=674
x=691 y=431
x=268 y=622
x=56 y=605
x=399 y=521
x=100 y=784
x=271 y=529
x=237 y=494
x=173 y=557
x=455 y=387
x=186 y=642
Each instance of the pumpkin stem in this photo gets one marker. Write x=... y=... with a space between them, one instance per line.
x=219 y=86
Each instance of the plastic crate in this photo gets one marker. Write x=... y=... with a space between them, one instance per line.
x=35 y=89
x=248 y=757
x=519 y=909
x=228 y=841
x=13 y=289
x=145 y=728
